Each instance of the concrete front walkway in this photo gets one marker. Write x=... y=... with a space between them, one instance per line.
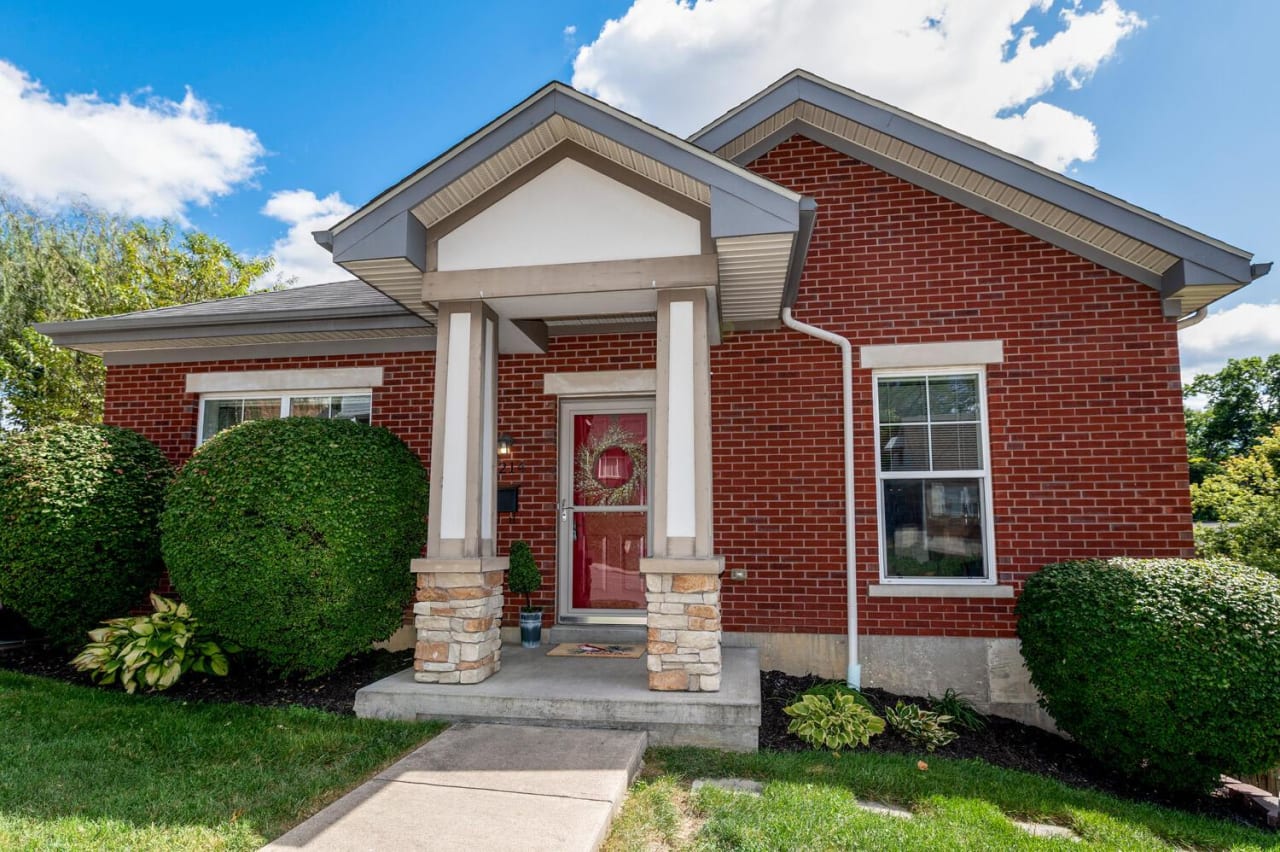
x=485 y=787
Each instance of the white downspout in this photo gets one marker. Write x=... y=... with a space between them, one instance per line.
x=853 y=675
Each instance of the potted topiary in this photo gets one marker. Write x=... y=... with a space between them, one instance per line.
x=523 y=578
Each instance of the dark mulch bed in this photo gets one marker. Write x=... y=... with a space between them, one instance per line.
x=1002 y=742
x=333 y=693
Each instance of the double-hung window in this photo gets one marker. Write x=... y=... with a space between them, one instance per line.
x=222 y=411
x=933 y=476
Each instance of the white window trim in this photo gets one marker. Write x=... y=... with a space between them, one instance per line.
x=285 y=398
x=988 y=524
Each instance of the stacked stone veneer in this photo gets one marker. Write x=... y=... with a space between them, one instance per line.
x=684 y=631
x=457 y=616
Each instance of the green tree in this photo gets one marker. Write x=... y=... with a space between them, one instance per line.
x=82 y=264
x=1242 y=504
x=1242 y=404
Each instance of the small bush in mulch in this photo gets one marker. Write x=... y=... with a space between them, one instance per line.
x=78 y=535
x=1000 y=742
x=1167 y=670
x=292 y=538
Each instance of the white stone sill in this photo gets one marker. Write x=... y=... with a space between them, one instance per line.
x=937 y=590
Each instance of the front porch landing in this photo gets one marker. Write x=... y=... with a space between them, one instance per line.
x=572 y=692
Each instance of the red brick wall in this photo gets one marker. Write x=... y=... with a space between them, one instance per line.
x=1088 y=455
x=1085 y=413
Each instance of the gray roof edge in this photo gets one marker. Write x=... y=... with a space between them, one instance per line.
x=1023 y=174
x=141 y=321
x=82 y=335
x=552 y=99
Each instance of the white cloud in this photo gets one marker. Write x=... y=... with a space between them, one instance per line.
x=150 y=157
x=570 y=31
x=297 y=256
x=1238 y=332
x=296 y=253
x=972 y=66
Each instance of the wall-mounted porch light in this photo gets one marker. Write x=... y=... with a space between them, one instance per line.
x=505 y=445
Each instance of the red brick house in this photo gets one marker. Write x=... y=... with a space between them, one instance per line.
x=643 y=326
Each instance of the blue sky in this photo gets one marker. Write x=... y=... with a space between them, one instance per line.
x=347 y=98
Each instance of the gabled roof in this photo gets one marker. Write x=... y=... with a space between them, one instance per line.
x=338 y=310
x=1190 y=269
x=385 y=242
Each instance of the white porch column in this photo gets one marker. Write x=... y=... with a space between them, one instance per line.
x=682 y=578
x=459 y=607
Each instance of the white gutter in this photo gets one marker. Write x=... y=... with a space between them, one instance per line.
x=1193 y=319
x=853 y=675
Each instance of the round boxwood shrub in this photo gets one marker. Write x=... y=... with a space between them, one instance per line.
x=1165 y=669
x=292 y=538
x=79 y=541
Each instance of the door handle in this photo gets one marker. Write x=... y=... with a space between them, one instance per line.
x=565 y=509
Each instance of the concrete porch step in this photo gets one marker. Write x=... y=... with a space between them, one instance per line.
x=574 y=692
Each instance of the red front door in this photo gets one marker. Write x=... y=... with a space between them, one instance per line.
x=604 y=526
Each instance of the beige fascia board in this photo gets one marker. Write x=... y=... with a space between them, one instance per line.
x=271 y=380
x=602 y=383
x=667 y=565
x=564 y=279
x=895 y=356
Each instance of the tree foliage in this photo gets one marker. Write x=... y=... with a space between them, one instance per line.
x=1242 y=404
x=85 y=264
x=1242 y=501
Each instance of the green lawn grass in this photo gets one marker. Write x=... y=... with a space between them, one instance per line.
x=83 y=768
x=808 y=803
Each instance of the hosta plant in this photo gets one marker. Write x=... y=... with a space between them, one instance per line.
x=833 y=722
x=152 y=650
x=922 y=728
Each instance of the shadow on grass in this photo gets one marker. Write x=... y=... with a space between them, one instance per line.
x=100 y=768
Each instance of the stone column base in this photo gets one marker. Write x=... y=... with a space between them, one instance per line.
x=458 y=616
x=684 y=623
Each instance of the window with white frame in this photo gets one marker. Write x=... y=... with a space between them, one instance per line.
x=934 y=486
x=224 y=410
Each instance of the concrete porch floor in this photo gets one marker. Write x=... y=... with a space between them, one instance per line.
x=534 y=689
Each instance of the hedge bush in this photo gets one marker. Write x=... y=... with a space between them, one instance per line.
x=292 y=538
x=79 y=541
x=1167 y=669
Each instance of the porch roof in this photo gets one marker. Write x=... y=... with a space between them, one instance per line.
x=342 y=310
x=757 y=227
x=1190 y=269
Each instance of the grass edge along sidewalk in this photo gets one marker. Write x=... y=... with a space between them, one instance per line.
x=89 y=768
x=809 y=802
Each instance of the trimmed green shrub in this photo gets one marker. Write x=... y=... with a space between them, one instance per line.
x=922 y=728
x=1167 y=670
x=78 y=537
x=292 y=538
x=833 y=722
x=523 y=577
x=154 y=649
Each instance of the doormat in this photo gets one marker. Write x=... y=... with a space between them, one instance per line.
x=586 y=649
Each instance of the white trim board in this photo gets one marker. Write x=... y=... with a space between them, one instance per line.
x=601 y=383
x=280 y=380
x=968 y=352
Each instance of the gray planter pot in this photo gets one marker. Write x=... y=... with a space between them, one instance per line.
x=530 y=629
